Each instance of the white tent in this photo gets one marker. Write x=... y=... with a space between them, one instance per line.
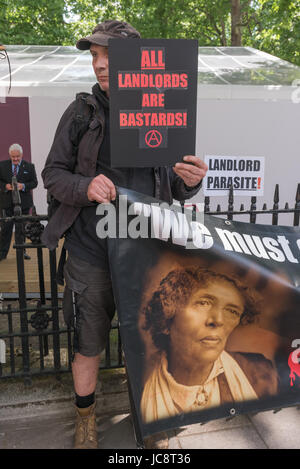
x=248 y=106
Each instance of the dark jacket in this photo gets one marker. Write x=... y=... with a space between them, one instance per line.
x=67 y=179
x=26 y=175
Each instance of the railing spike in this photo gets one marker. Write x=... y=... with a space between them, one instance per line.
x=298 y=193
x=253 y=203
x=206 y=204
x=276 y=194
x=230 y=203
x=253 y=209
x=230 y=195
x=297 y=207
x=275 y=205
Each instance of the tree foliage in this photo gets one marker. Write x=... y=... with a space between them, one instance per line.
x=269 y=25
x=34 y=22
x=276 y=29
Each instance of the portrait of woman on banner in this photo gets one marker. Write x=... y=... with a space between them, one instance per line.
x=189 y=319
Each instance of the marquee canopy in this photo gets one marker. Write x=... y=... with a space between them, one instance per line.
x=64 y=68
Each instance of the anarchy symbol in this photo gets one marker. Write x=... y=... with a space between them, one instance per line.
x=153 y=138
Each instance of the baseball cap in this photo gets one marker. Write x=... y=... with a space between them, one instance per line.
x=106 y=30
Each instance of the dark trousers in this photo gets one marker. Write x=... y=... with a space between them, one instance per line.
x=88 y=305
x=6 y=232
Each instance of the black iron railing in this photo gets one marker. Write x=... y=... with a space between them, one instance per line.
x=32 y=327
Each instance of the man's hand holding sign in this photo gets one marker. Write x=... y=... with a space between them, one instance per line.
x=192 y=171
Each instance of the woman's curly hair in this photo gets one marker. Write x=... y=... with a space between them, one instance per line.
x=174 y=291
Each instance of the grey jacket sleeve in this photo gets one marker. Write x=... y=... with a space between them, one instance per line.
x=58 y=175
x=179 y=190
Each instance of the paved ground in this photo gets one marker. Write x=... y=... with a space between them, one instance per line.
x=30 y=419
x=55 y=431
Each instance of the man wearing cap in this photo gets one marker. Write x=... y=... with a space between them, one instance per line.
x=79 y=184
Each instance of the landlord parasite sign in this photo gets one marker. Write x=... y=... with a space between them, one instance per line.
x=244 y=173
x=152 y=101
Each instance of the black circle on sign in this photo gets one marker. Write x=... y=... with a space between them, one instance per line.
x=153 y=138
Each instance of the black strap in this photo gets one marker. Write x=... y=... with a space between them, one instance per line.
x=80 y=124
x=60 y=268
x=81 y=121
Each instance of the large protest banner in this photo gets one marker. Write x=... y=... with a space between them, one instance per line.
x=209 y=313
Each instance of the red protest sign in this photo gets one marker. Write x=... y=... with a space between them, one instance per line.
x=152 y=101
